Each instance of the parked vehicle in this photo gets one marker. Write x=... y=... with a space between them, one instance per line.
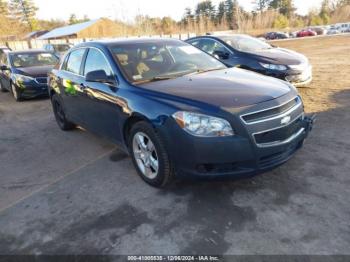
x=3 y=50
x=320 y=30
x=177 y=110
x=333 y=31
x=276 y=35
x=24 y=73
x=342 y=27
x=306 y=32
x=58 y=49
x=255 y=55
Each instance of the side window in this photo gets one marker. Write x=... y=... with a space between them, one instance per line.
x=220 y=47
x=74 y=61
x=64 y=63
x=95 y=60
x=3 y=59
x=195 y=43
x=208 y=45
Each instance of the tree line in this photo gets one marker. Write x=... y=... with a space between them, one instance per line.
x=229 y=15
x=19 y=17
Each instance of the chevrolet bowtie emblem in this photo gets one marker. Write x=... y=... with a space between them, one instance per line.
x=286 y=120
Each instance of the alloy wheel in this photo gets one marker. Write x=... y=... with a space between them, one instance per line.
x=14 y=91
x=145 y=155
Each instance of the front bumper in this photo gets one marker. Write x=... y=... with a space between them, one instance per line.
x=230 y=156
x=299 y=78
x=33 y=90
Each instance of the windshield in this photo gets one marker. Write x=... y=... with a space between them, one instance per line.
x=33 y=59
x=142 y=62
x=246 y=43
x=62 y=48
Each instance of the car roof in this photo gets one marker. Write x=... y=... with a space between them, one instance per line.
x=122 y=41
x=218 y=36
x=30 y=51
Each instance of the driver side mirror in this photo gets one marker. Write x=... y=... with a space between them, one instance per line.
x=4 y=68
x=221 y=55
x=98 y=76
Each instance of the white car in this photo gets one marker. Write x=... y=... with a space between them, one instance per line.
x=333 y=31
x=343 y=27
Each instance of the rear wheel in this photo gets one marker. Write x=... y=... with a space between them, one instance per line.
x=15 y=93
x=60 y=115
x=149 y=155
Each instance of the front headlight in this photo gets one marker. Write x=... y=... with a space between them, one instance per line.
x=23 y=78
x=274 y=67
x=203 y=125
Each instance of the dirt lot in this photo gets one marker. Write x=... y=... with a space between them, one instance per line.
x=73 y=193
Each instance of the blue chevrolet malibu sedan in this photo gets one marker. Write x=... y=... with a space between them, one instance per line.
x=177 y=110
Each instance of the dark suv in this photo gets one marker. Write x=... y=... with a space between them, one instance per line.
x=177 y=110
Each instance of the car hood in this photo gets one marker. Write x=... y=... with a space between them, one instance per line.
x=35 y=71
x=279 y=56
x=223 y=88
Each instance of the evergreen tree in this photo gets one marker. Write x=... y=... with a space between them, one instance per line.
x=206 y=9
x=221 y=12
x=261 y=5
x=232 y=8
x=24 y=11
x=72 y=19
x=285 y=7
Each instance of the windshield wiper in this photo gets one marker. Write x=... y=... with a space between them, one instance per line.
x=155 y=79
x=201 y=71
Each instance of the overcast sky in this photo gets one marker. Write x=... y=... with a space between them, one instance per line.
x=127 y=9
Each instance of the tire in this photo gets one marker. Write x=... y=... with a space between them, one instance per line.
x=164 y=174
x=2 y=88
x=15 y=93
x=60 y=115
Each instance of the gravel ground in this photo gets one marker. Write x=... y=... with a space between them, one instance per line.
x=74 y=193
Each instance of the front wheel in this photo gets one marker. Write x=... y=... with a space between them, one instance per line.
x=149 y=155
x=15 y=93
x=60 y=115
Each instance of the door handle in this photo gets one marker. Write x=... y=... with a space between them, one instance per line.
x=82 y=87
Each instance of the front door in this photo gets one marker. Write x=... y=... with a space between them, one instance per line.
x=102 y=106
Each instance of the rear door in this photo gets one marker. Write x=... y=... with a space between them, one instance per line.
x=71 y=78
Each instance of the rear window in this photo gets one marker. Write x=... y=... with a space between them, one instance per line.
x=74 y=61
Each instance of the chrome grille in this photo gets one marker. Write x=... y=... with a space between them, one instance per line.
x=41 y=80
x=275 y=125
x=279 y=135
x=271 y=112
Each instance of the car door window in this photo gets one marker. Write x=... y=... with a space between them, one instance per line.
x=195 y=43
x=3 y=59
x=211 y=46
x=74 y=61
x=95 y=60
x=208 y=45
